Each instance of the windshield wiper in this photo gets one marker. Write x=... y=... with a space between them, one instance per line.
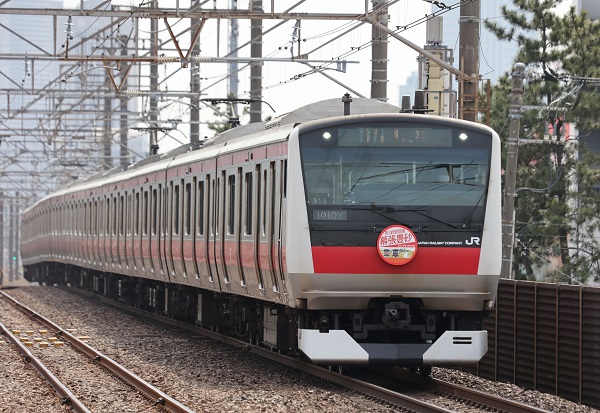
x=419 y=211
x=468 y=220
x=390 y=209
x=376 y=210
x=416 y=211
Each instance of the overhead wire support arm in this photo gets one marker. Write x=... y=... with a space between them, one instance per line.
x=421 y=51
x=184 y=59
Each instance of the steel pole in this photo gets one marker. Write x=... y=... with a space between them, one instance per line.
x=510 y=173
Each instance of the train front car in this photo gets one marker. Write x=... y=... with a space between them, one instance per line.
x=394 y=243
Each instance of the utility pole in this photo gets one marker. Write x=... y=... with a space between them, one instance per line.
x=256 y=68
x=153 y=116
x=2 y=217
x=510 y=172
x=469 y=60
x=17 y=227
x=107 y=144
x=379 y=52
x=233 y=66
x=123 y=101
x=195 y=89
x=11 y=239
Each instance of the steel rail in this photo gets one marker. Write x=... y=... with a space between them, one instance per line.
x=489 y=401
x=159 y=397
x=61 y=390
x=484 y=398
x=368 y=389
x=377 y=391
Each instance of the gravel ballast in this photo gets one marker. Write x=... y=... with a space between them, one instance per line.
x=212 y=377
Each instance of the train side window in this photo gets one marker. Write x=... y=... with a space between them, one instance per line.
x=188 y=209
x=212 y=216
x=154 y=210
x=107 y=215
x=248 y=207
x=284 y=167
x=263 y=213
x=231 y=206
x=136 y=214
x=66 y=218
x=121 y=215
x=200 y=209
x=176 y=210
x=128 y=215
x=114 y=216
x=145 y=214
x=70 y=219
x=165 y=200
x=91 y=218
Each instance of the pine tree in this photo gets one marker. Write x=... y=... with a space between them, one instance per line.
x=558 y=199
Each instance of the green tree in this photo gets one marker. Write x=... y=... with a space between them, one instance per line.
x=558 y=198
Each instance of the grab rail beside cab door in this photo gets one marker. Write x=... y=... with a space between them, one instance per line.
x=276 y=239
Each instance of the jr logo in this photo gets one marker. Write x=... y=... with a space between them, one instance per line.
x=473 y=241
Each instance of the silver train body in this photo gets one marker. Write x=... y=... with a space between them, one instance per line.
x=360 y=239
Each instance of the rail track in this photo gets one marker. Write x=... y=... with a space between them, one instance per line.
x=389 y=385
x=157 y=399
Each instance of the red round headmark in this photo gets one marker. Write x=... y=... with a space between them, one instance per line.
x=397 y=245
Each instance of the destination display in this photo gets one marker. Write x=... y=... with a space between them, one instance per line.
x=395 y=136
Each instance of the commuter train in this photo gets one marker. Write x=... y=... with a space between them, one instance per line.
x=365 y=238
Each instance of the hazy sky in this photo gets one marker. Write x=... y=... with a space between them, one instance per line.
x=280 y=91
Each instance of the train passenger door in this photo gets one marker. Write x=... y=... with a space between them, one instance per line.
x=249 y=229
x=213 y=225
x=135 y=239
x=166 y=229
x=95 y=231
x=278 y=224
x=112 y=232
x=203 y=210
x=221 y=199
x=151 y=269
x=156 y=222
x=144 y=231
x=127 y=232
x=120 y=255
x=177 y=231
x=231 y=234
x=267 y=227
x=188 y=254
x=87 y=232
x=104 y=231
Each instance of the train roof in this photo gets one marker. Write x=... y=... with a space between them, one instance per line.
x=319 y=110
x=244 y=136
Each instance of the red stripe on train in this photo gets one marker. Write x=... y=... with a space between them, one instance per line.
x=366 y=260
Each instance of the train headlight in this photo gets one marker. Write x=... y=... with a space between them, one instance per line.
x=463 y=136
x=326 y=136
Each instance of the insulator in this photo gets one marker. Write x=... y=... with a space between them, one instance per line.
x=202 y=59
x=167 y=59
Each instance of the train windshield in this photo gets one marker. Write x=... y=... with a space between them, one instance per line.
x=395 y=166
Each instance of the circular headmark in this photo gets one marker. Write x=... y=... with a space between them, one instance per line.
x=397 y=245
